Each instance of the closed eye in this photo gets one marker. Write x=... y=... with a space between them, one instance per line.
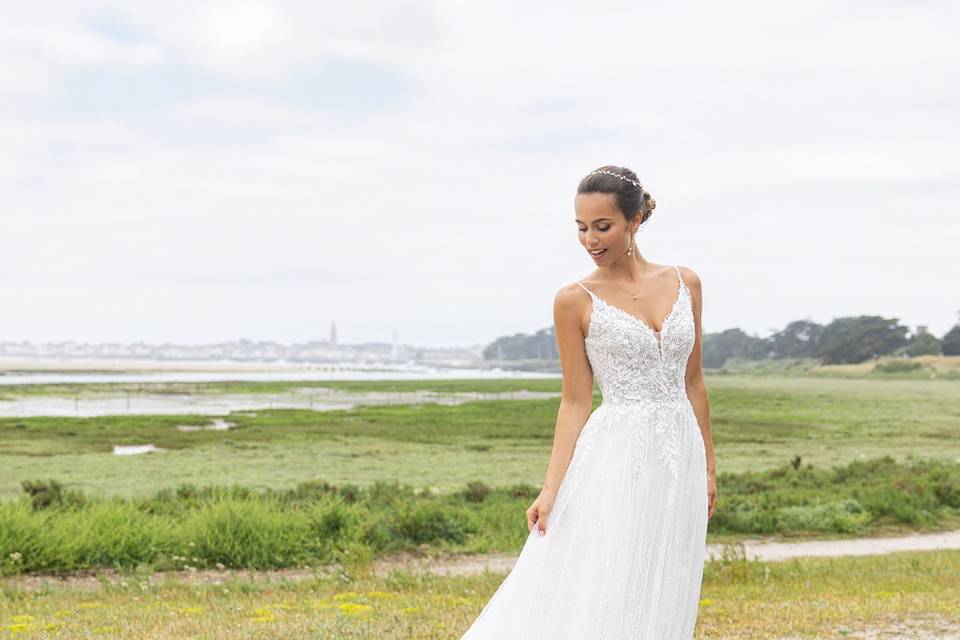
x=606 y=228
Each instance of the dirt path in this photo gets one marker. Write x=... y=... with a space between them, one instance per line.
x=776 y=551
x=916 y=627
x=754 y=550
x=462 y=564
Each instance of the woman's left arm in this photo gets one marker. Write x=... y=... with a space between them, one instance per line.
x=697 y=390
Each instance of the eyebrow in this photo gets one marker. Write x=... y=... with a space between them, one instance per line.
x=597 y=220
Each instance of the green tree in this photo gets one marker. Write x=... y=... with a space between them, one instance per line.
x=521 y=346
x=922 y=343
x=799 y=339
x=717 y=348
x=950 y=344
x=858 y=338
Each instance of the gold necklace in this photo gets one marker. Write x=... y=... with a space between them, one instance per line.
x=642 y=279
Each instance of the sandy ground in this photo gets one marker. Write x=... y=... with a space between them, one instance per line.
x=917 y=627
x=775 y=551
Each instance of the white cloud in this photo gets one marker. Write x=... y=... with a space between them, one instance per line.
x=804 y=154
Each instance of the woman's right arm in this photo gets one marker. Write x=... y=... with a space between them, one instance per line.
x=576 y=399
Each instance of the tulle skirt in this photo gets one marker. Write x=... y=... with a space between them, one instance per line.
x=625 y=545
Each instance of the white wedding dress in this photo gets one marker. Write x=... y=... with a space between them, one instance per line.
x=624 y=549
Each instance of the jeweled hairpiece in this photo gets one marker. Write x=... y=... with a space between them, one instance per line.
x=616 y=175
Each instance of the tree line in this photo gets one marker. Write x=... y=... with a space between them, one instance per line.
x=846 y=340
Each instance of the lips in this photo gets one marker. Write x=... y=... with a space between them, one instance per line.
x=603 y=251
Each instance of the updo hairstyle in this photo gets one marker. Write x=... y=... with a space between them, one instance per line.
x=632 y=199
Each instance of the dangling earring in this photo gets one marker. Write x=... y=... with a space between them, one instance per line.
x=630 y=248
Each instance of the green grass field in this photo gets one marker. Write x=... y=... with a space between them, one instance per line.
x=759 y=422
x=797 y=455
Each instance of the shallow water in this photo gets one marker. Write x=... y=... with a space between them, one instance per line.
x=316 y=399
x=198 y=372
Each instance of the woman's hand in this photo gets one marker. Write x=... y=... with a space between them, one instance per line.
x=538 y=511
x=711 y=493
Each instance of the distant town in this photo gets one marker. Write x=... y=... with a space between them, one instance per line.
x=845 y=340
x=328 y=351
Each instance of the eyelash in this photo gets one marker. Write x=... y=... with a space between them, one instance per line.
x=606 y=228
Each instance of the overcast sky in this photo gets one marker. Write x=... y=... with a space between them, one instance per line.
x=198 y=172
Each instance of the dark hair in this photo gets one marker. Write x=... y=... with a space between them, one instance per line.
x=631 y=199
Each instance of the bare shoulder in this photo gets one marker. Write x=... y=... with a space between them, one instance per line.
x=569 y=297
x=690 y=277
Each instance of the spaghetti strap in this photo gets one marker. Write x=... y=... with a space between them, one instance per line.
x=585 y=289
x=680 y=275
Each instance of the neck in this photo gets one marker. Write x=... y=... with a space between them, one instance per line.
x=629 y=268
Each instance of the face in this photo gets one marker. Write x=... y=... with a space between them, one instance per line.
x=603 y=226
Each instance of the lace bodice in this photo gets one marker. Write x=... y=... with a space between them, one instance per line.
x=642 y=370
x=633 y=363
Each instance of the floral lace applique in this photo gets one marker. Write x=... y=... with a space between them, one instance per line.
x=645 y=369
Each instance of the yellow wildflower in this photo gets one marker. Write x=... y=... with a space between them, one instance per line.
x=263 y=615
x=352 y=608
x=106 y=629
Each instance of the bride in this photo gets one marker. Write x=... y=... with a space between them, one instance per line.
x=616 y=540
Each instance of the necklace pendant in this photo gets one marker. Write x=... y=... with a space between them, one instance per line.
x=634 y=297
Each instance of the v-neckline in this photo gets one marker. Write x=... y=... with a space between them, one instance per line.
x=663 y=323
x=657 y=334
x=641 y=321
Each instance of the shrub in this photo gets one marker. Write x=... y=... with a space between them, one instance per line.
x=476 y=492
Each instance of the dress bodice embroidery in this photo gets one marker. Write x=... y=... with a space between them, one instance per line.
x=641 y=368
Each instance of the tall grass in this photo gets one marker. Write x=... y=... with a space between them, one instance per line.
x=845 y=499
x=190 y=527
